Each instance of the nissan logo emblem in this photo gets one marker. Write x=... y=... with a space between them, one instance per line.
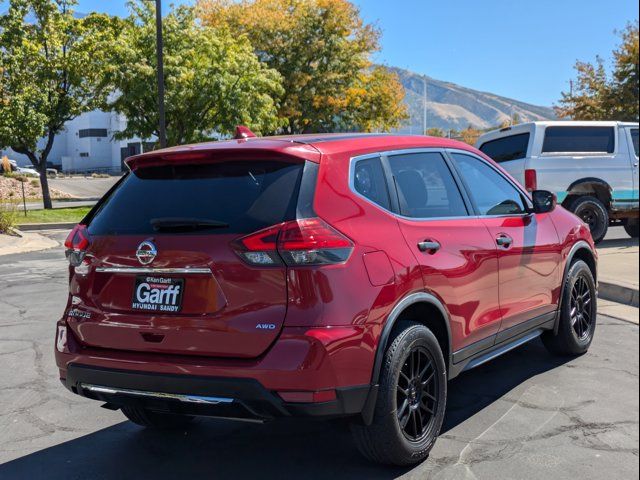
x=146 y=252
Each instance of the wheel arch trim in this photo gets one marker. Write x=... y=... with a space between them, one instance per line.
x=392 y=318
x=593 y=181
x=579 y=245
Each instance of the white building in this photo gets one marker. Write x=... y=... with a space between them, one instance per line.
x=87 y=145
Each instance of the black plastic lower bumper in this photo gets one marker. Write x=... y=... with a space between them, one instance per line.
x=241 y=398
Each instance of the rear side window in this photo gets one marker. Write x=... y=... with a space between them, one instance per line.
x=369 y=181
x=426 y=188
x=235 y=197
x=634 y=139
x=579 y=140
x=508 y=148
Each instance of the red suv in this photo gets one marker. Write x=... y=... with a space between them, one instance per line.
x=343 y=275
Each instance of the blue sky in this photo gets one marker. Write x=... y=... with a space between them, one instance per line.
x=520 y=49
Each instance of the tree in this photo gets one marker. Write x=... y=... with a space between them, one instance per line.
x=470 y=135
x=596 y=95
x=436 y=132
x=626 y=74
x=52 y=69
x=322 y=49
x=213 y=81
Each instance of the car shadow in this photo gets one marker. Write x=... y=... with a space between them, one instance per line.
x=284 y=449
x=618 y=243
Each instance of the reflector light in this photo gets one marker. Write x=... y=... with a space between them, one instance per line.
x=308 y=397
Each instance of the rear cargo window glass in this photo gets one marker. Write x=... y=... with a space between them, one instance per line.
x=634 y=138
x=579 y=140
x=236 y=197
x=426 y=188
x=508 y=148
x=369 y=181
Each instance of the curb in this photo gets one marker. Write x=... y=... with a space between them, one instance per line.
x=29 y=227
x=619 y=293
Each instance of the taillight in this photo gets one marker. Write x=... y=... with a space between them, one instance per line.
x=530 y=180
x=76 y=244
x=308 y=241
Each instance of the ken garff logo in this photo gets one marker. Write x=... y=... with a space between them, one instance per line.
x=146 y=252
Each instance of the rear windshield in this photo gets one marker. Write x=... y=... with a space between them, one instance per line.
x=236 y=197
x=508 y=148
x=579 y=140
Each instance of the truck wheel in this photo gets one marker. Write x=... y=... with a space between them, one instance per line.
x=411 y=400
x=150 y=419
x=577 y=313
x=592 y=212
x=631 y=226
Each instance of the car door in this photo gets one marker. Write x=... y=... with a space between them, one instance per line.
x=456 y=254
x=634 y=147
x=529 y=251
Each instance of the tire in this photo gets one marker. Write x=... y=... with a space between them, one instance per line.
x=593 y=212
x=150 y=419
x=385 y=440
x=575 y=333
x=632 y=227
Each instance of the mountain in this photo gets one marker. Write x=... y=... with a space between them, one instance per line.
x=450 y=106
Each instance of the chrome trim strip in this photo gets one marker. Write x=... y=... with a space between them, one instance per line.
x=156 y=271
x=443 y=151
x=167 y=396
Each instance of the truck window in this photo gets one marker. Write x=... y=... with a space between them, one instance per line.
x=579 y=140
x=634 y=139
x=508 y=148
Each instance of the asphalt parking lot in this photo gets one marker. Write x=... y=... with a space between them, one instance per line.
x=525 y=415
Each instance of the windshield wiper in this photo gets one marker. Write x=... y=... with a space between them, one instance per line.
x=185 y=223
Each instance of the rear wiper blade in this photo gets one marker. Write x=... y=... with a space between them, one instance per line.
x=185 y=223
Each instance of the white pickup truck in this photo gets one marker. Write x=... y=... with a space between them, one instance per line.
x=591 y=166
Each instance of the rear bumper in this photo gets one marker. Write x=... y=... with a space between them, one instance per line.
x=330 y=368
x=239 y=398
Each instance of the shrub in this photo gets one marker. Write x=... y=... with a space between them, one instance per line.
x=7 y=218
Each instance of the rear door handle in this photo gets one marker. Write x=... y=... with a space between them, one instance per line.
x=504 y=241
x=429 y=246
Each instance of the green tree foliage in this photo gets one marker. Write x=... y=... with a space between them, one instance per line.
x=52 y=69
x=322 y=49
x=436 y=132
x=213 y=81
x=598 y=96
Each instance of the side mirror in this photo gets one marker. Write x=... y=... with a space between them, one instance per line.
x=543 y=201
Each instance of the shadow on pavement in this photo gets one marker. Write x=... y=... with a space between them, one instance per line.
x=618 y=243
x=282 y=449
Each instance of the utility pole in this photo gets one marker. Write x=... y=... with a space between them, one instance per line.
x=162 y=127
x=424 y=106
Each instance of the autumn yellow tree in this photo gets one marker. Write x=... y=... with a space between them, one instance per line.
x=596 y=95
x=322 y=49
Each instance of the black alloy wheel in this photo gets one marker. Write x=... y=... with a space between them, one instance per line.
x=581 y=308
x=417 y=395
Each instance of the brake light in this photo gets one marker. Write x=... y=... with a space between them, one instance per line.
x=308 y=241
x=76 y=244
x=530 y=180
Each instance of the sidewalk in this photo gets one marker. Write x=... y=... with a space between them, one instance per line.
x=27 y=242
x=618 y=270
